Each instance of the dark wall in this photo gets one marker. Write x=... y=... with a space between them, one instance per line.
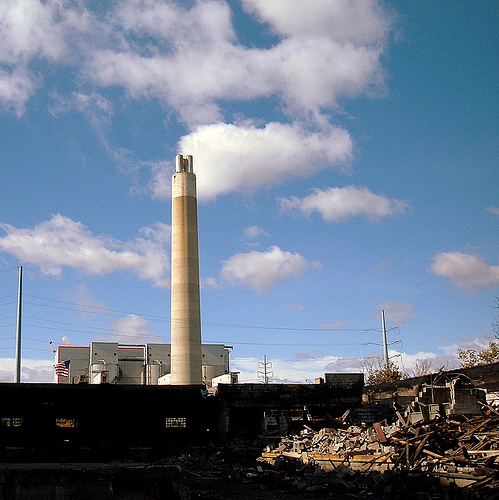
x=246 y=406
x=41 y=420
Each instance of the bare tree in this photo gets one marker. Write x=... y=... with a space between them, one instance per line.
x=422 y=367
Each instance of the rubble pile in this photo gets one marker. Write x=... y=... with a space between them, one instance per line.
x=455 y=451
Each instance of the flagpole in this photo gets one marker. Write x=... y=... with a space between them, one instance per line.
x=18 y=331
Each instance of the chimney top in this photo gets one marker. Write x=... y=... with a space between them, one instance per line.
x=183 y=164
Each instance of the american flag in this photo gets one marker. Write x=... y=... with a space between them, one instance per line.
x=62 y=368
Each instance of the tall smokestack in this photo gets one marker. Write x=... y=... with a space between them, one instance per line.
x=185 y=301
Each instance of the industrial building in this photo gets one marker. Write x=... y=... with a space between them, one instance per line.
x=148 y=364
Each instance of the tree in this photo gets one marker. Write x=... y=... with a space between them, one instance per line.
x=376 y=372
x=422 y=367
x=472 y=357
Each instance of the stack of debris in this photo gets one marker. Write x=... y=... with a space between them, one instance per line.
x=458 y=450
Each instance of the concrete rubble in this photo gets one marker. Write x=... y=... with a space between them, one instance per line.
x=456 y=453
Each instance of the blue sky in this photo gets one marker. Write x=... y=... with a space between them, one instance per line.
x=346 y=156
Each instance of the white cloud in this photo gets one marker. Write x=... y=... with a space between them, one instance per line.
x=133 y=329
x=60 y=242
x=29 y=30
x=493 y=210
x=32 y=370
x=230 y=158
x=325 y=51
x=398 y=313
x=260 y=271
x=339 y=204
x=362 y=21
x=408 y=360
x=466 y=271
x=477 y=343
x=160 y=184
x=313 y=73
x=16 y=87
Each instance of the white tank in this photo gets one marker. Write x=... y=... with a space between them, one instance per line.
x=102 y=373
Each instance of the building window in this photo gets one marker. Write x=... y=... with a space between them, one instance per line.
x=66 y=422
x=11 y=421
x=175 y=422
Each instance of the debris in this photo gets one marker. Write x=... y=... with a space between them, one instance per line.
x=455 y=452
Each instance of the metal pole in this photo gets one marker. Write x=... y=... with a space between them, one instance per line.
x=265 y=373
x=385 y=343
x=17 y=379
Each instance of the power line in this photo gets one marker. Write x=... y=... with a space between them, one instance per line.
x=8 y=296
x=109 y=312
x=91 y=309
x=287 y=344
x=7 y=303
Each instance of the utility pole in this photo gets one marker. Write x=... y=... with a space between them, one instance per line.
x=17 y=378
x=265 y=374
x=385 y=344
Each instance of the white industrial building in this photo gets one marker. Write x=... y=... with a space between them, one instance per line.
x=148 y=364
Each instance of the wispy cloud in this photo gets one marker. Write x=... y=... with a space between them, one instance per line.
x=340 y=204
x=31 y=30
x=86 y=303
x=398 y=313
x=133 y=329
x=252 y=232
x=61 y=242
x=98 y=109
x=466 y=271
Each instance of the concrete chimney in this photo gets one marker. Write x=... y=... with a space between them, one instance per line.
x=185 y=300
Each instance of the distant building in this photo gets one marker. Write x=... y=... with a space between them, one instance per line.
x=148 y=364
